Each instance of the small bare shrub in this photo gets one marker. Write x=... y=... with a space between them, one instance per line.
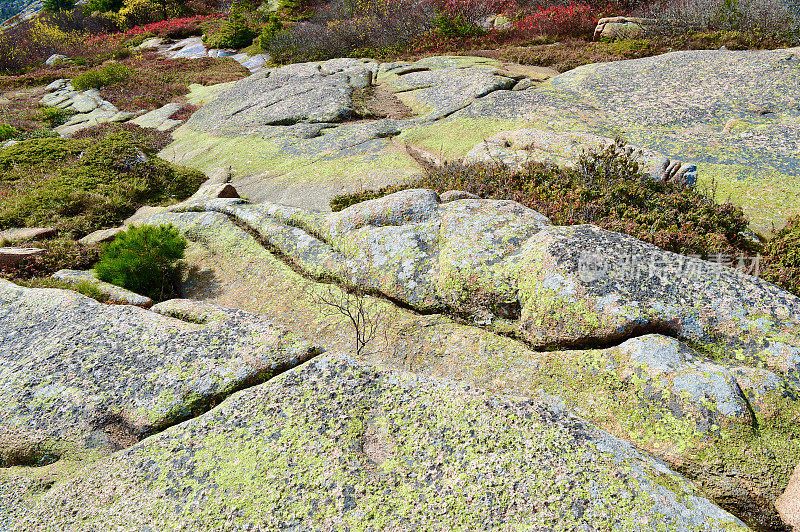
x=359 y=311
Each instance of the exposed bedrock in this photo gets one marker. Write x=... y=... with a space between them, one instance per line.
x=692 y=361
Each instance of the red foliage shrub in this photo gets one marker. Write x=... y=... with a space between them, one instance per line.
x=176 y=28
x=572 y=20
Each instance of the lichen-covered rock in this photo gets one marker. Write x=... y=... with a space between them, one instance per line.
x=289 y=136
x=732 y=114
x=517 y=148
x=115 y=294
x=686 y=356
x=621 y=27
x=16 y=234
x=10 y=256
x=335 y=444
x=788 y=504
x=77 y=375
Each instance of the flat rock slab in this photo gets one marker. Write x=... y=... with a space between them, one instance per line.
x=788 y=504
x=734 y=114
x=294 y=135
x=672 y=398
x=114 y=294
x=12 y=256
x=17 y=234
x=338 y=445
x=77 y=375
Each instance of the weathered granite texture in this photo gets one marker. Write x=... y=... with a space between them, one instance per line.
x=732 y=113
x=687 y=358
x=113 y=293
x=78 y=375
x=337 y=445
x=298 y=135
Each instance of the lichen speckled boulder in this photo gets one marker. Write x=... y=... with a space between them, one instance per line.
x=335 y=444
x=77 y=375
x=559 y=286
x=734 y=114
x=692 y=361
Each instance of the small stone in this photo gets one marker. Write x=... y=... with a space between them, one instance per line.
x=788 y=504
x=12 y=256
x=16 y=234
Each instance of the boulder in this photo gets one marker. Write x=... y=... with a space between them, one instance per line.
x=12 y=256
x=114 y=294
x=335 y=444
x=159 y=118
x=101 y=236
x=214 y=190
x=56 y=59
x=788 y=504
x=81 y=378
x=16 y=234
x=689 y=355
x=621 y=27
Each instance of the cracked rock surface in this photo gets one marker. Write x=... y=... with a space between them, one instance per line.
x=78 y=376
x=336 y=444
x=695 y=362
x=733 y=114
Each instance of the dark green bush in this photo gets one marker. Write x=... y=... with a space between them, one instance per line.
x=54 y=116
x=7 y=131
x=100 y=77
x=269 y=32
x=236 y=33
x=142 y=259
x=454 y=26
x=59 y=5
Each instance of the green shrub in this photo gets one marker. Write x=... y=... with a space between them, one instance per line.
x=236 y=32
x=54 y=116
x=269 y=32
x=59 y=5
x=83 y=287
x=454 y=26
x=142 y=259
x=100 y=77
x=81 y=185
x=7 y=132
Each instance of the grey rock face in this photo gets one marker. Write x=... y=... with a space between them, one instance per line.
x=78 y=375
x=115 y=294
x=334 y=443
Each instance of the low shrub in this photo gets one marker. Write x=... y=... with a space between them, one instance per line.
x=7 y=132
x=58 y=5
x=576 y=20
x=84 y=287
x=606 y=189
x=781 y=264
x=777 y=17
x=54 y=116
x=100 y=77
x=59 y=253
x=142 y=259
x=81 y=185
x=154 y=80
x=236 y=32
